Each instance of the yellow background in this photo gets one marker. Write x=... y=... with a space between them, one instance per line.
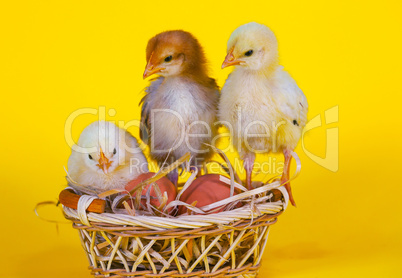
x=58 y=56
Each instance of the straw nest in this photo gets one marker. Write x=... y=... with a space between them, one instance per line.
x=229 y=243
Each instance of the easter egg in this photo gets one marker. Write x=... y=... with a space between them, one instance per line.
x=164 y=184
x=206 y=189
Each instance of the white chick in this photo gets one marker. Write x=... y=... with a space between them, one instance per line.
x=106 y=157
x=259 y=96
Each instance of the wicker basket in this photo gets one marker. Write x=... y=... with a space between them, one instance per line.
x=224 y=244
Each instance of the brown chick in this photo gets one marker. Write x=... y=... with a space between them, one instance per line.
x=180 y=106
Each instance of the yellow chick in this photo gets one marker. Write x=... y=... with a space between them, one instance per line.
x=106 y=157
x=260 y=102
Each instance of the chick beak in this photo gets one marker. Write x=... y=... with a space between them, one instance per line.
x=104 y=162
x=150 y=69
x=230 y=60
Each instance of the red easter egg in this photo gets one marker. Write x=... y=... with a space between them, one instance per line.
x=165 y=185
x=206 y=189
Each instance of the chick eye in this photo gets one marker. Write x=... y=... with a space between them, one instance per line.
x=168 y=59
x=90 y=156
x=114 y=151
x=249 y=53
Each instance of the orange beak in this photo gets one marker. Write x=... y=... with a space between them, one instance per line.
x=230 y=60
x=104 y=162
x=151 y=70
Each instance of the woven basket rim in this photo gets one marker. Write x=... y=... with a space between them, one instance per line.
x=157 y=223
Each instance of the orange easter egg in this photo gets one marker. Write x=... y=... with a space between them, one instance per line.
x=206 y=189
x=164 y=184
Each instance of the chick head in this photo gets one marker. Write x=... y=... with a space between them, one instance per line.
x=104 y=143
x=253 y=46
x=173 y=53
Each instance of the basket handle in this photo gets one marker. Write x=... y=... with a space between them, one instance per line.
x=70 y=199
